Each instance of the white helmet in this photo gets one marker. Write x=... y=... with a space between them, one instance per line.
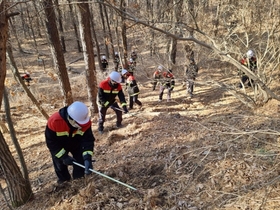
x=78 y=111
x=103 y=57
x=124 y=71
x=116 y=53
x=115 y=76
x=131 y=60
x=160 y=68
x=250 y=53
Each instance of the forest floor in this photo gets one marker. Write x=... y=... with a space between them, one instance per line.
x=208 y=152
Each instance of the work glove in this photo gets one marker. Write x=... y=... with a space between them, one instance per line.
x=88 y=164
x=125 y=110
x=68 y=160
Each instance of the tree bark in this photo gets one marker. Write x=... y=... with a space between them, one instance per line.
x=110 y=34
x=104 y=30
x=15 y=34
x=72 y=16
x=96 y=41
x=14 y=139
x=31 y=27
x=3 y=46
x=19 y=188
x=123 y=33
x=57 y=52
x=87 y=44
x=61 y=30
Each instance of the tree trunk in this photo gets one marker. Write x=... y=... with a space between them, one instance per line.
x=23 y=22
x=31 y=27
x=104 y=30
x=57 y=52
x=173 y=51
x=74 y=26
x=19 y=189
x=96 y=41
x=14 y=138
x=87 y=44
x=38 y=19
x=15 y=34
x=3 y=46
x=123 y=33
x=110 y=33
x=60 y=26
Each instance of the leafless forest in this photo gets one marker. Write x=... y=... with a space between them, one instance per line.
x=218 y=150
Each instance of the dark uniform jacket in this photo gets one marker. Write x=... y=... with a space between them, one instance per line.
x=134 y=56
x=104 y=63
x=107 y=93
x=252 y=64
x=61 y=137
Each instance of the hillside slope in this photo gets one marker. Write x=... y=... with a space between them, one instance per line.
x=208 y=152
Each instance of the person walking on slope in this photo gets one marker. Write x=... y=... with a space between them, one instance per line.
x=131 y=66
x=69 y=131
x=134 y=57
x=132 y=89
x=168 y=82
x=191 y=73
x=157 y=76
x=104 y=63
x=106 y=97
x=26 y=78
x=116 y=61
x=250 y=61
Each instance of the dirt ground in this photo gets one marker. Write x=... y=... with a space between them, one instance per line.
x=208 y=152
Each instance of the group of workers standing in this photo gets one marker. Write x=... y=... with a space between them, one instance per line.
x=166 y=80
x=117 y=67
x=69 y=129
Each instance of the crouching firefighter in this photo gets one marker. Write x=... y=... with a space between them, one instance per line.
x=69 y=131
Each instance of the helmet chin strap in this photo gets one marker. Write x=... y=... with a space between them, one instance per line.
x=73 y=123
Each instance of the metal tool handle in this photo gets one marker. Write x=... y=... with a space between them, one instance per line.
x=108 y=177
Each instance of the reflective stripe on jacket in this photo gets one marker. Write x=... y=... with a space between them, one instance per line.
x=107 y=93
x=61 y=137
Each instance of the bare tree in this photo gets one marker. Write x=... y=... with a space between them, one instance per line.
x=95 y=39
x=123 y=32
x=72 y=16
x=104 y=29
x=61 y=30
x=57 y=51
x=30 y=25
x=109 y=40
x=87 y=43
x=3 y=45
x=19 y=188
x=226 y=47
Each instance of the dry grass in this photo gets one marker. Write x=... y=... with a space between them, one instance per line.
x=209 y=152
